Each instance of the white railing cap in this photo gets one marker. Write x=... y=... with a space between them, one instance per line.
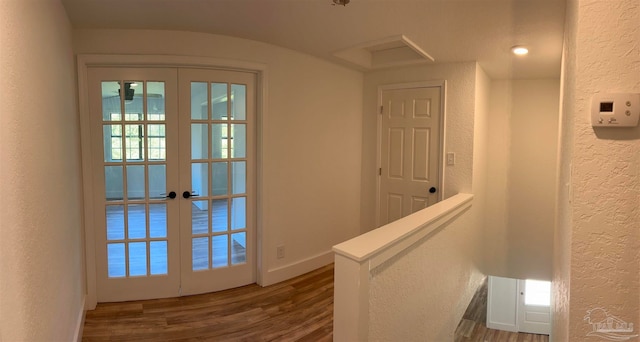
x=372 y=243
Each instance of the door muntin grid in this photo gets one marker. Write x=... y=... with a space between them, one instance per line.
x=134 y=144
x=218 y=175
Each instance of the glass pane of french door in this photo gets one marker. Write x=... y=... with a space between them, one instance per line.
x=137 y=250
x=218 y=157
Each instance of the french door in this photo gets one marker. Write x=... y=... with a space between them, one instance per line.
x=174 y=181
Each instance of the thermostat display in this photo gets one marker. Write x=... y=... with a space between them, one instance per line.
x=606 y=107
x=615 y=110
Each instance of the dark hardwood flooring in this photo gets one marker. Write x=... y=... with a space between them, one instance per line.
x=300 y=309
x=473 y=326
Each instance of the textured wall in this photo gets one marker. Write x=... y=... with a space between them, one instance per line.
x=562 y=233
x=460 y=79
x=311 y=136
x=422 y=293
x=41 y=277
x=602 y=55
x=482 y=131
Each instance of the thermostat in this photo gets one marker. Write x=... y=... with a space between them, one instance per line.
x=615 y=110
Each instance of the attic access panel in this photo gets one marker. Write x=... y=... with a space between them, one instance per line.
x=384 y=53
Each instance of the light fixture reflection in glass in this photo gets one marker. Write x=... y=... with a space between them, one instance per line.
x=519 y=50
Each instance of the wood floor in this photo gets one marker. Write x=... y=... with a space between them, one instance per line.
x=300 y=309
x=473 y=326
x=226 y=249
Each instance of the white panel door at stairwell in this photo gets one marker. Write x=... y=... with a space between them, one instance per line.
x=534 y=306
x=174 y=193
x=519 y=305
x=409 y=151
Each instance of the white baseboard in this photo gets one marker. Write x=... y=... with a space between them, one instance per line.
x=502 y=326
x=80 y=321
x=295 y=269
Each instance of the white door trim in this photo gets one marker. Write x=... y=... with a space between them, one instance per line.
x=442 y=84
x=86 y=61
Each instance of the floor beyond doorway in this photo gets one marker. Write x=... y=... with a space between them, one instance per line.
x=473 y=326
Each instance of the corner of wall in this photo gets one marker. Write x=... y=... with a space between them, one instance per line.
x=562 y=229
x=300 y=267
x=77 y=335
x=480 y=154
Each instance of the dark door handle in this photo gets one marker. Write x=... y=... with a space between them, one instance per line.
x=432 y=190
x=172 y=195
x=188 y=194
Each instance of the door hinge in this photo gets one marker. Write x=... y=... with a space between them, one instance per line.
x=381 y=109
x=380 y=172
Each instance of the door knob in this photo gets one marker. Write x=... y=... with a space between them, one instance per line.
x=432 y=190
x=188 y=194
x=171 y=195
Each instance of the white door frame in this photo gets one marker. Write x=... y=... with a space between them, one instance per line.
x=86 y=61
x=442 y=84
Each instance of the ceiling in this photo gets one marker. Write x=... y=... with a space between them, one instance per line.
x=448 y=30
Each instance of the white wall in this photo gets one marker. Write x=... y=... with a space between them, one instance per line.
x=532 y=176
x=311 y=136
x=460 y=79
x=599 y=219
x=522 y=177
x=422 y=293
x=41 y=260
x=496 y=209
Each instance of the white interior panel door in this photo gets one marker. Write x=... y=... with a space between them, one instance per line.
x=134 y=129
x=519 y=305
x=534 y=309
x=410 y=150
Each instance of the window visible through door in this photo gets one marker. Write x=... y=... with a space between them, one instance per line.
x=134 y=137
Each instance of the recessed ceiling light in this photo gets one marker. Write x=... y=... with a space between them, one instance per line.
x=519 y=50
